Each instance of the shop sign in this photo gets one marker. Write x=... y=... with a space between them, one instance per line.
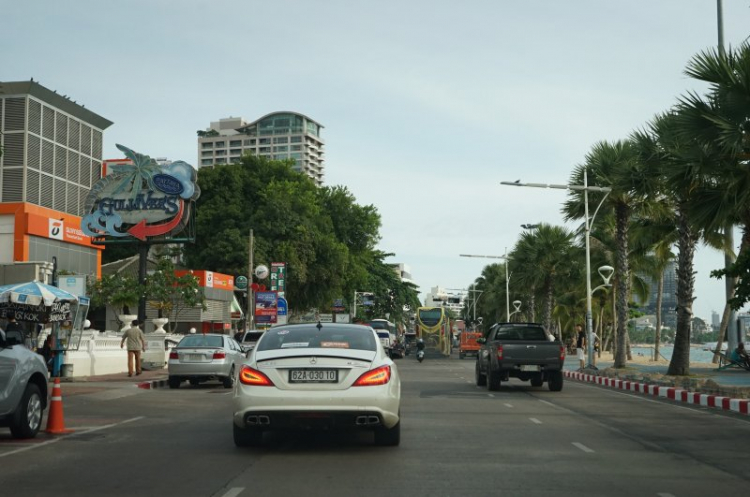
x=141 y=200
x=266 y=307
x=278 y=277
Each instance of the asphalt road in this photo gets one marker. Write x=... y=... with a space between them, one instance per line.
x=457 y=439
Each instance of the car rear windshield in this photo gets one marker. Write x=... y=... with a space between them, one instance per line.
x=383 y=334
x=252 y=336
x=520 y=333
x=304 y=337
x=201 y=341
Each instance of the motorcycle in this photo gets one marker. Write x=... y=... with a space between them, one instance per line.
x=420 y=355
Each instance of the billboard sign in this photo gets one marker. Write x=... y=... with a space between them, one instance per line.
x=266 y=306
x=278 y=277
x=140 y=199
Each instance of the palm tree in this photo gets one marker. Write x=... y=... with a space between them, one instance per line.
x=548 y=251
x=613 y=165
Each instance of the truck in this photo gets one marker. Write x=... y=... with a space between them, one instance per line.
x=519 y=350
x=467 y=344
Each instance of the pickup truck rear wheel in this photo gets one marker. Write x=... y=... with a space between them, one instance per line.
x=493 y=380
x=555 y=381
x=536 y=380
x=479 y=377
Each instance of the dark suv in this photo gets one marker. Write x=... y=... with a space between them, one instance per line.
x=23 y=386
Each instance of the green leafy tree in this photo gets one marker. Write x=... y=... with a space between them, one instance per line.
x=171 y=294
x=117 y=292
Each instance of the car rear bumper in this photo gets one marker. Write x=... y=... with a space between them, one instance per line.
x=186 y=370
x=284 y=409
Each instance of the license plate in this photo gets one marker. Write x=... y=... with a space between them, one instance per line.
x=529 y=368
x=194 y=357
x=313 y=376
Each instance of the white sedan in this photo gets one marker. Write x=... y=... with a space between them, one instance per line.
x=318 y=376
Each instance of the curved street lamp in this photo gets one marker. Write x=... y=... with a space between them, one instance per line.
x=517 y=306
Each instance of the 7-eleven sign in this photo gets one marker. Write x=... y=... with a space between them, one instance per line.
x=278 y=275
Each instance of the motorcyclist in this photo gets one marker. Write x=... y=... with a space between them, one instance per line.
x=420 y=345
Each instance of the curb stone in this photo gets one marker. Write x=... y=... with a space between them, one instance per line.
x=741 y=406
x=150 y=385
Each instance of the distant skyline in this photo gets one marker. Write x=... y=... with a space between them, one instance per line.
x=426 y=105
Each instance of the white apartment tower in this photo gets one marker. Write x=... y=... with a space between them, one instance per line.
x=277 y=136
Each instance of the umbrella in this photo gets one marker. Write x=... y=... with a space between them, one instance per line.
x=35 y=301
x=34 y=293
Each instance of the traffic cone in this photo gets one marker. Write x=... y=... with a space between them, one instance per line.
x=55 y=421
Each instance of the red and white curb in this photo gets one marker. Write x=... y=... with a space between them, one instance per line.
x=741 y=406
x=149 y=385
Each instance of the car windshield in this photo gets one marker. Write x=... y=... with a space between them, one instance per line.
x=201 y=341
x=383 y=334
x=302 y=337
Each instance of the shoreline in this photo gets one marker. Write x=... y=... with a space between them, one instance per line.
x=648 y=360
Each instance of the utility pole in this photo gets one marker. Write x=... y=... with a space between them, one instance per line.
x=250 y=293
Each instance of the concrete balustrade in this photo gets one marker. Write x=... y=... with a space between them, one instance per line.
x=100 y=353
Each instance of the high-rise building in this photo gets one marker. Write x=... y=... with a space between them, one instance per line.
x=52 y=155
x=669 y=297
x=277 y=136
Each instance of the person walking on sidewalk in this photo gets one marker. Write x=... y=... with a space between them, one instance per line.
x=136 y=344
x=580 y=345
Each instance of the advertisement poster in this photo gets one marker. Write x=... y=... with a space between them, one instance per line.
x=265 y=307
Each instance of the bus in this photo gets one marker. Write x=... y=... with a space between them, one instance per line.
x=434 y=327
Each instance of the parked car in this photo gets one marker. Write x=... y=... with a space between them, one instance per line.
x=23 y=386
x=205 y=357
x=318 y=376
x=249 y=339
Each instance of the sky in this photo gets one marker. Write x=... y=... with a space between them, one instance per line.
x=427 y=105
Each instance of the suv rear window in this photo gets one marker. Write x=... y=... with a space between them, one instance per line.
x=252 y=336
x=200 y=341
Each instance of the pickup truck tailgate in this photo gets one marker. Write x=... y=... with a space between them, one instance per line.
x=530 y=352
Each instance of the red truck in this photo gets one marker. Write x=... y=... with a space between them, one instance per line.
x=468 y=344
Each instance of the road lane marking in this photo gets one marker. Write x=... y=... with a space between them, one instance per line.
x=234 y=492
x=509 y=405
x=71 y=435
x=583 y=447
x=491 y=395
x=534 y=420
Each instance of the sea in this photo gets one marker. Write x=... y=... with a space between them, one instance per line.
x=697 y=352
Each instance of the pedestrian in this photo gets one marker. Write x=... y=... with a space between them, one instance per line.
x=580 y=345
x=136 y=344
x=48 y=351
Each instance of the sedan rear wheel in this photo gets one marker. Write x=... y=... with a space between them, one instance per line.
x=228 y=382
x=174 y=382
x=247 y=437
x=388 y=436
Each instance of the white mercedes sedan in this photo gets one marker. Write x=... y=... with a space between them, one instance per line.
x=322 y=376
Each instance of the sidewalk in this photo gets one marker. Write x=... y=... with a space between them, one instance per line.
x=148 y=379
x=727 y=389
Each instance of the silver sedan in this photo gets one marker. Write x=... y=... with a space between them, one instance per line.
x=205 y=357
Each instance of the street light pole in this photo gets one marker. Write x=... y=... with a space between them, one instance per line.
x=507 y=278
x=587 y=225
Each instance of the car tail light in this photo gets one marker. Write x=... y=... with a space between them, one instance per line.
x=500 y=352
x=562 y=353
x=250 y=376
x=220 y=355
x=174 y=355
x=379 y=376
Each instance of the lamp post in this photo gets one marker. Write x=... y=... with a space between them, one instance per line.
x=587 y=225
x=517 y=306
x=475 y=299
x=507 y=278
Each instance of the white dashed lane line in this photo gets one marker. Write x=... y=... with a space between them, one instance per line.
x=234 y=492
x=583 y=447
x=536 y=421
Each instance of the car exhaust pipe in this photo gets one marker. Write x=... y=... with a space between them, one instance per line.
x=255 y=420
x=367 y=421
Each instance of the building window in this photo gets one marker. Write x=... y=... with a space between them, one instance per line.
x=221 y=152
x=264 y=141
x=294 y=148
x=282 y=148
x=220 y=144
x=235 y=143
x=295 y=156
x=207 y=153
x=263 y=150
x=207 y=162
x=280 y=157
x=235 y=151
x=208 y=145
x=250 y=142
x=281 y=139
x=296 y=139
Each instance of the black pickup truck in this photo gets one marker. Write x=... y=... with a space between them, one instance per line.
x=519 y=350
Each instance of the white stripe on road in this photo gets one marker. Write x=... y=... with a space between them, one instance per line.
x=491 y=395
x=63 y=437
x=534 y=420
x=583 y=447
x=234 y=492
x=509 y=405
